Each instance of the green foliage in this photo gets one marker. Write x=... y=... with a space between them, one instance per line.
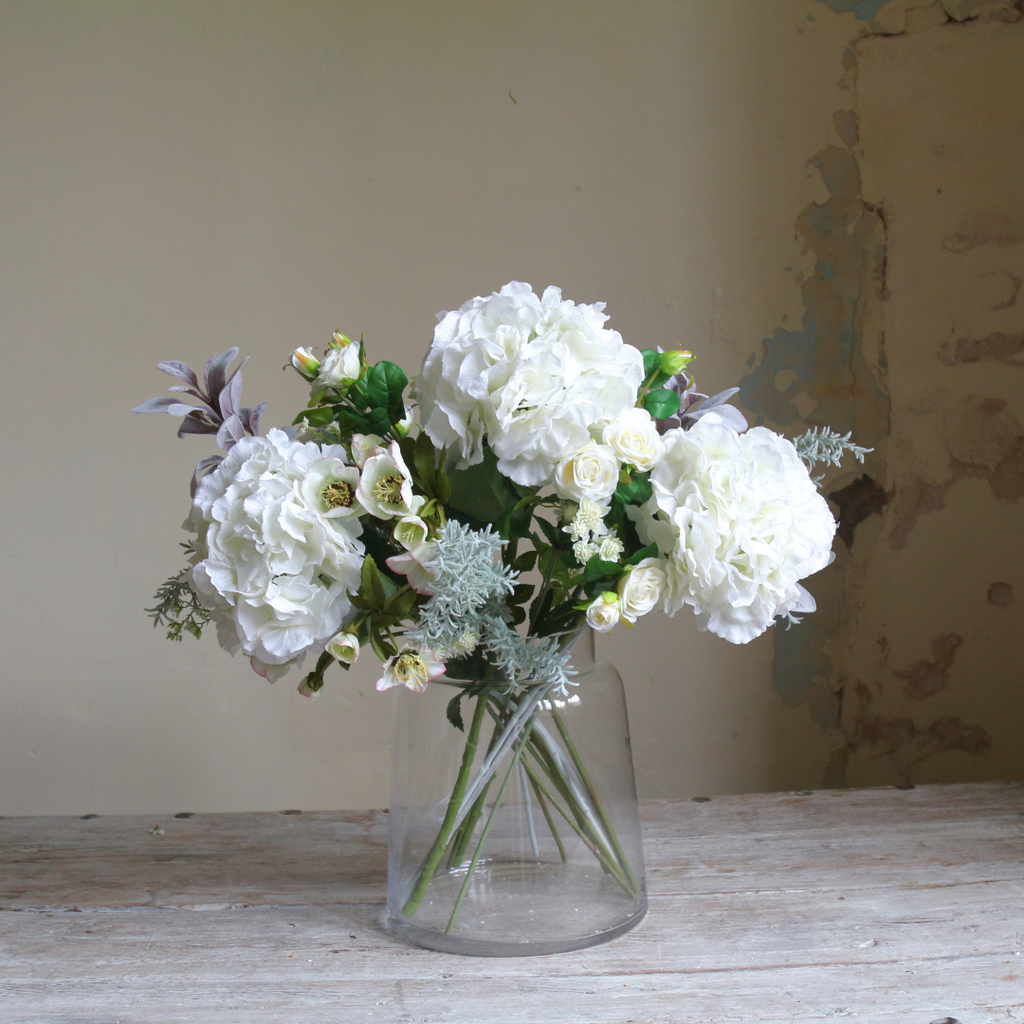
x=177 y=607
x=481 y=492
x=661 y=403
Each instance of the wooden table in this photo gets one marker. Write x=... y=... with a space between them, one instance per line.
x=902 y=906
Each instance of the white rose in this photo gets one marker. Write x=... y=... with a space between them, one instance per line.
x=740 y=523
x=603 y=613
x=634 y=438
x=341 y=366
x=274 y=570
x=592 y=472
x=640 y=589
x=529 y=375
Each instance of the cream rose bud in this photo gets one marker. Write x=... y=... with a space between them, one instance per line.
x=634 y=438
x=603 y=614
x=592 y=472
x=640 y=589
x=344 y=647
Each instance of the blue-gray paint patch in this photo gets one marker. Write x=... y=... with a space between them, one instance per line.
x=865 y=10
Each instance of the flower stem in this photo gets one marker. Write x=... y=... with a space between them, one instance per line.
x=520 y=745
x=454 y=805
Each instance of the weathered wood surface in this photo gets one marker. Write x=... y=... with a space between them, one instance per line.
x=894 y=906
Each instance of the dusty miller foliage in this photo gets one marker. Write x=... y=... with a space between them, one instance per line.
x=468 y=599
x=826 y=446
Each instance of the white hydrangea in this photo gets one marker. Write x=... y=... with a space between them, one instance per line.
x=272 y=565
x=529 y=375
x=740 y=524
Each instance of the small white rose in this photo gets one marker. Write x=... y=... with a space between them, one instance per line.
x=640 y=589
x=344 y=647
x=603 y=614
x=410 y=668
x=634 y=438
x=341 y=367
x=592 y=472
x=385 y=486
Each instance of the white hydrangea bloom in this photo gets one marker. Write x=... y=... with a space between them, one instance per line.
x=530 y=375
x=740 y=524
x=272 y=565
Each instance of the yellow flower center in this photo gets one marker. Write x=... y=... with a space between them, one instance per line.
x=388 y=489
x=337 y=494
x=410 y=668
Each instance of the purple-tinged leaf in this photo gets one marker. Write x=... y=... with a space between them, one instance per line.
x=231 y=431
x=203 y=466
x=165 y=403
x=231 y=395
x=255 y=415
x=180 y=370
x=216 y=372
x=195 y=423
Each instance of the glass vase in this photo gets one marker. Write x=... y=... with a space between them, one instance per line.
x=516 y=834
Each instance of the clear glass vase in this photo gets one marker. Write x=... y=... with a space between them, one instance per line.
x=518 y=834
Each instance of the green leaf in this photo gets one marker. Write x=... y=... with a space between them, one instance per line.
x=318 y=417
x=442 y=485
x=652 y=361
x=454 y=711
x=661 y=403
x=637 y=491
x=525 y=562
x=481 y=491
x=424 y=464
x=522 y=593
x=598 y=569
x=371 y=586
x=651 y=551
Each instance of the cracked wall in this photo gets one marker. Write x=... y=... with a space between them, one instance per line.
x=912 y=336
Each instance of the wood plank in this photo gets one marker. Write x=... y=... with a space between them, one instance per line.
x=881 y=905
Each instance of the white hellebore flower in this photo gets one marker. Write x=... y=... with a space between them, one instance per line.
x=529 y=375
x=410 y=532
x=271 y=564
x=634 y=438
x=330 y=488
x=603 y=614
x=640 y=589
x=344 y=648
x=740 y=523
x=365 y=445
x=592 y=472
x=416 y=566
x=410 y=668
x=385 y=486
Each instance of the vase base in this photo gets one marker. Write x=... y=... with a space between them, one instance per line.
x=553 y=908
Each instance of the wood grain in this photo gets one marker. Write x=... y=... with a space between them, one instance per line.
x=875 y=905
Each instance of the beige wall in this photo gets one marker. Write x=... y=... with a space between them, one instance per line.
x=178 y=178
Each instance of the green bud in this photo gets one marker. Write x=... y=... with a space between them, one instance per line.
x=672 y=362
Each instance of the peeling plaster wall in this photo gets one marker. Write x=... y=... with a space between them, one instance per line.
x=911 y=336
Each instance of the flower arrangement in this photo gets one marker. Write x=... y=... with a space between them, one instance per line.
x=539 y=476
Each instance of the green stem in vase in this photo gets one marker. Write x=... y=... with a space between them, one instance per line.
x=598 y=806
x=454 y=805
x=547 y=817
x=516 y=756
x=606 y=862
